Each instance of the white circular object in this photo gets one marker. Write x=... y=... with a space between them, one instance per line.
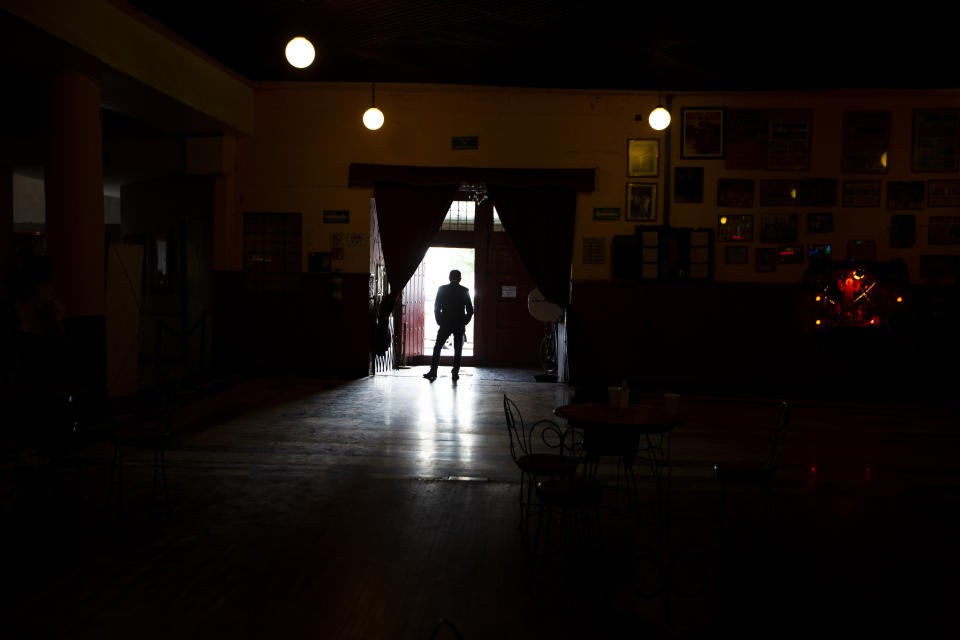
x=300 y=52
x=659 y=119
x=541 y=308
x=373 y=118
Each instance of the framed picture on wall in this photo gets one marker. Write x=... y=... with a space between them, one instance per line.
x=778 y=227
x=903 y=231
x=766 y=260
x=866 y=141
x=905 y=194
x=791 y=254
x=702 y=132
x=737 y=228
x=736 y=254
x=643 y=157
x=936 y=140
x=688 y=184
x=819 y=222
x=817 y=192
x=777 y=193
x=943 y=193
x=735 y=192
x=944 y=230
x=642 y=201
x=861 y=193
x=819 y=252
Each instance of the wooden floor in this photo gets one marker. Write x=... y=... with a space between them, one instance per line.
x=372 y=508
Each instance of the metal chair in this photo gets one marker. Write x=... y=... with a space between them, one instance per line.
x=756 y=474
x=538 y=451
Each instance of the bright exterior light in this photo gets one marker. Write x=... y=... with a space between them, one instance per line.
x=300 y=52
x=659 y=118
x=373 y=118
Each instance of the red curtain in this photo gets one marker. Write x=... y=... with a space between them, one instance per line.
x=539 y=221
x=409 y=217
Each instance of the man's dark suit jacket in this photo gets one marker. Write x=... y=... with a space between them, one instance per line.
x=453 y=307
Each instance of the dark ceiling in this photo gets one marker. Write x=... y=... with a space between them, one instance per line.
x=562 y=44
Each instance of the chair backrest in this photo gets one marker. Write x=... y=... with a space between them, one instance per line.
x=522 y=437
x=779 y=433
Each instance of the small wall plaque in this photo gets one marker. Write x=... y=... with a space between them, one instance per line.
x=508 y=291
x=465 y=143
x=336 y=216
x=606 y=213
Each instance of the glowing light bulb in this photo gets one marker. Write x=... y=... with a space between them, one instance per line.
x=300 y=52
x=818 y=322
x=723 y=219
x=883 y=159
x=373 y=118
x=818 y=298
x=659 y=118
x=899 y=298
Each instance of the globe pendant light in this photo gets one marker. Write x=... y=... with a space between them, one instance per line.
x=300 y=52
x=659 y=118
x=373 y=117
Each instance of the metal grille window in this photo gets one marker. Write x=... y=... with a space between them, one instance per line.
x=461 y=216
x=272 y=256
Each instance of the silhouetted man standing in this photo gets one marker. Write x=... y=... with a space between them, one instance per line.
x=453 y=311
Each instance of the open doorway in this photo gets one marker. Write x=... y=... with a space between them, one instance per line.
x=437 y=265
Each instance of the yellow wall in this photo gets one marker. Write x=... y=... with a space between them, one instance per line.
x=308 y=134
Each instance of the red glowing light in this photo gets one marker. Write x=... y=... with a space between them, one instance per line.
x=899 y=298
x=813 y=468
x=848 y=282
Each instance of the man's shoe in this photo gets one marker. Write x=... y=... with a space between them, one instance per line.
x=455 y=376
x=430 y=375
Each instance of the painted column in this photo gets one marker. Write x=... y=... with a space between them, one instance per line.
x=73 y=184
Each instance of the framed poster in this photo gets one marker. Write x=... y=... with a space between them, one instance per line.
x=735 y=193
x=903 y=231
x=817 y=192
x=642 y=201
x=818 y=252
x=746 y=139
x=736 y=254
x=788 y=143
x=936 y=138
x=643 y=157
x=943 y=193
x=905 y=195
x=702 y=132
x=792 y=254
x=735 y=228
x=820 y=222
x=778 y=227
x=688 y=184
x=866 y=141
x=861 y=193
x=766 y=260
x=944 y=230
x=777 y=193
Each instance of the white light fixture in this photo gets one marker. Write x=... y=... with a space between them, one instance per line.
x=659 y=118
x=300 y=52
x=373 y=117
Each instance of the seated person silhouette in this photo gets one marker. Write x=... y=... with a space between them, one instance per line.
x=453 y=311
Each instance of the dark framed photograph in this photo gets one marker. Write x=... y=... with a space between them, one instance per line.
x=866 y=141
x=702 y=132
x=791 y=254
x=944 y=230
x=817 y=192
x=903 y=231
x=606 y=213
x=936 y=139
x=642 y=201
x=777 y=193
x=688 y=184
x=766 y=260
x=735 y=192
x=819 y=252
x=820 y=222
x=862 y=250
x=746 y=139
x=643 y=157
x=943 y=193
x=779 y=227
x=788 y=145
x=861 y=193
x=736 y=254
x=737 y=228
x=905 y=194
